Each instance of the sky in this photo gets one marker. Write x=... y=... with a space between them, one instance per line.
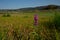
x=15 y=4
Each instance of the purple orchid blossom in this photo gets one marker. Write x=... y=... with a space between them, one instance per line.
x=35 y=19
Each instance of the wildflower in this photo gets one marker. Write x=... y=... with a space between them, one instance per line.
x=35 y=19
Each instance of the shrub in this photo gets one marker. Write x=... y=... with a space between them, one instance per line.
x=6 y=15
x=57 y=21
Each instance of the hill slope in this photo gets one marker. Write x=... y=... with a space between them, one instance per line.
x=39 y=8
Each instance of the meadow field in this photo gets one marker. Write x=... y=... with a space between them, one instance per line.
x=20 y=26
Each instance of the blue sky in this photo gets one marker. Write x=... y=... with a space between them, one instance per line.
x=15 y=4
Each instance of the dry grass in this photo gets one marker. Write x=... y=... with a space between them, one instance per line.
x=21 y=27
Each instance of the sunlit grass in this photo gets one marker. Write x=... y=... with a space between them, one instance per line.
x=21 y=27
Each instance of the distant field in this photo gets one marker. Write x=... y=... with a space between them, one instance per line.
x=21 y=27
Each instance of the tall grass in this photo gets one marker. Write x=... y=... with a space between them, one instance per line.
x=20 y=27
x=54 y=26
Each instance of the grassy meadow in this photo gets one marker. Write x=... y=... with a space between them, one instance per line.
x=20 y=26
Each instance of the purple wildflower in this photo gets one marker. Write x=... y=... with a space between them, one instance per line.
x=35 y=19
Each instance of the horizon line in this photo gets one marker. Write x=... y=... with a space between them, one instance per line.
x=26 y=7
